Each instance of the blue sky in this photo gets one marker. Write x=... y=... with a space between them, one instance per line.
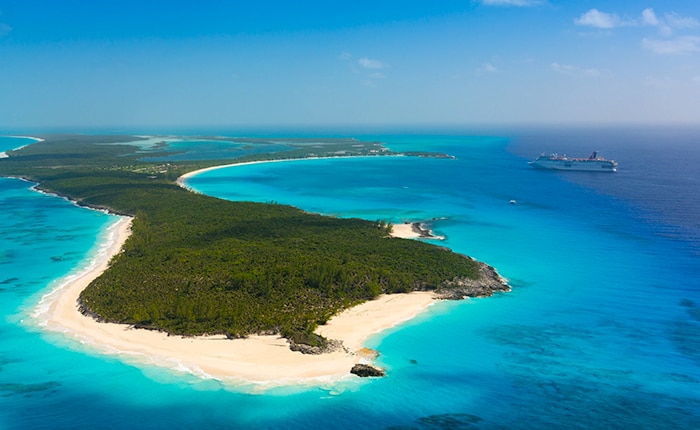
x=100 y=63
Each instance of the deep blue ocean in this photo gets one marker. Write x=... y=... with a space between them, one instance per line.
x=601 y=330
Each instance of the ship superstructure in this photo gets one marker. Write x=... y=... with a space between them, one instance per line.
x=594 y=163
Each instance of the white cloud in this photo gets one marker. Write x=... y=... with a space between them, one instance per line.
x=670 y=21
x=649 y=17
x=570 y=70
x=369 y=63
x=676 y=21
x=512 y=2
x=368 y=68
x=486 y=68
x=561 y=68
x=598 y=19
x=679 y=45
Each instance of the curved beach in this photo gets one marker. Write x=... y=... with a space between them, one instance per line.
x=264 y=360
x=3 y=154
x=181 y=180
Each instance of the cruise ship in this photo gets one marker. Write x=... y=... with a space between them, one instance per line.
x=594 y=163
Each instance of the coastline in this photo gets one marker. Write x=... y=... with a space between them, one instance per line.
x=259 y=360
x=3 y=154
x=413 y=230
x=38 y=139
x=181 y=180
x=405 y=231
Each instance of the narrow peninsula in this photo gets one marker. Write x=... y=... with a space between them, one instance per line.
x=193 y=268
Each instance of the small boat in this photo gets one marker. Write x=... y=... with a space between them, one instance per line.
x=594 y=163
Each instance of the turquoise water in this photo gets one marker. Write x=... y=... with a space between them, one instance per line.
x=601 y=330
x=9 y=143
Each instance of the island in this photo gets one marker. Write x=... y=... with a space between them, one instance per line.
x=239 y=290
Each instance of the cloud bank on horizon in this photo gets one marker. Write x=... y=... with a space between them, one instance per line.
x=135 y=64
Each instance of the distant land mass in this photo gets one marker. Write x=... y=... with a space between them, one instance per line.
x=199 y=265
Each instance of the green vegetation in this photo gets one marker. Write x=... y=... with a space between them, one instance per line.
x=200 y=265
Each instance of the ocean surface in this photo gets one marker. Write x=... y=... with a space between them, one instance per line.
x=601 y=330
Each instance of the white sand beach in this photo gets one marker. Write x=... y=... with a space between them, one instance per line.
x=4 y=153
x=405 y=231
x=265 y=360
x=37 y=139
x=181 y=180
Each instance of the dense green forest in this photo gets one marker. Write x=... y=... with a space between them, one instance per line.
x=200 y=265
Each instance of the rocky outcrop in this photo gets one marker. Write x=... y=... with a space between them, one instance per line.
x=367 y=371
x=329 y=345
x=460 y=288
x=423 y=230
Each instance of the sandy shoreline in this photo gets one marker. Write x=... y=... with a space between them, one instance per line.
x=4 y=153
x=405 y=231
x=181 y=180
x=259 y=360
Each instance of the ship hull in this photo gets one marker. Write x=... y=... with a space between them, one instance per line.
x=584 y=165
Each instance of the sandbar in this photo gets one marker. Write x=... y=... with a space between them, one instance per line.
x=260 y=360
